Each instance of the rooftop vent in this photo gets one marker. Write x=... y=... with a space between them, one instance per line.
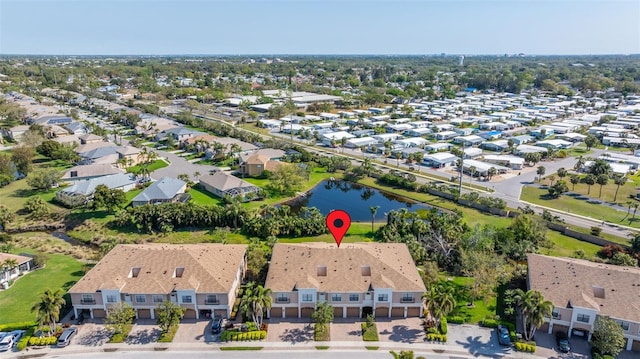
x=598 y=291
x=322 y=271
x=134 y=272
x=366 y=271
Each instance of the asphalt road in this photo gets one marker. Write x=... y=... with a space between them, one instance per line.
x=271 y=354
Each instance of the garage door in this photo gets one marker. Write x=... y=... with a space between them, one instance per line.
x=413 y=312
x=189 y=314
x=99 y=313
x=292 y=312
x=556 y=328
x=397 y=312
x=353 y=312
x=337 y=312
x=306 y=312
x=635 y=346
x=382 y=312
x=276 y=312
x=221 y=313
x=144 y=313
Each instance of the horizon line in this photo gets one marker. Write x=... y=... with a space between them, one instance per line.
x=442 y=54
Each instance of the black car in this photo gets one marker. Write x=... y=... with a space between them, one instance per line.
x=563 y=342
x=503 y=336
x=216 y=325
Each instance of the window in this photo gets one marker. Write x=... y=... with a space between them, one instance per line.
x=282 y=298
x=111 y=298
x=158 y=298
x=407 y=298
x=141 y=298
x=624 y=325
x=336 y=297
x=583 y=318
x=555 y=313
x=307 y=297
x=88 y=299
x=212 y=299
x=383 y=297
x=186 y=299
x=354 y=297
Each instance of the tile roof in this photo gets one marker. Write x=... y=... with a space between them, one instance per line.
x=223 y=181
x=577 y=281
x=19 y=259
x=94 y=170
x=208 y=268
x=296 y=265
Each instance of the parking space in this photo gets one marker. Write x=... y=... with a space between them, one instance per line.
x=346 y=330
x=478 y=341
x=144 y=331
x=91 y=334
x=191 y=330
x=291 y=331
x=407 y=330
x=546 y=346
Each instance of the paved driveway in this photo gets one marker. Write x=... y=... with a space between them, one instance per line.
x=546 y=347
x=145 y=331
x=407 y=330
x=346 y=330
x=191 y=330
x=91 y=335
x=477 y=341
x=293 y=331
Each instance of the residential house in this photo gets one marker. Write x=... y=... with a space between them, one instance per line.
x=15 y=133
x=128 y=155
x=202 y=278
x=20 y=265
x=222 y=185
x=178 y=133
x=357 y=279
x=76 y=128
x=498 y=145
x=100 y=155
x=581 y=291
x=85 y=172
x=82 y=191
x=554 y=144
x=335 y=137
x=254 y=163
x=440 y=159
x=445 y=135
x=513 y=162
x=90 y=138
x=165 y=190
x=471 y=140
x=438 y=147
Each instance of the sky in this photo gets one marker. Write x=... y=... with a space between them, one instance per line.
x=316 y=27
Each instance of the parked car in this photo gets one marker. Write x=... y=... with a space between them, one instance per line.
x=503 y=336
x=65 y=338
x=563 y=342
x=7 y=342
x=216 y=324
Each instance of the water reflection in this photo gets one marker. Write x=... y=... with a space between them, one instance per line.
x=354 y=198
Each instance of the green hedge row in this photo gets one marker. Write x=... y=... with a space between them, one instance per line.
x=33 y=341
x=456 y=320
x=442 y=338
x=9 y=327
x=524 y=347
x=369 y=332
x=231 y=336
x=443 y=326
x=490 y=323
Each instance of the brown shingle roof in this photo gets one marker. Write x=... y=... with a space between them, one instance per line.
x=577 y=281
x=223 y=181
x=296 y=265
x=208 y=268
x=17 y=258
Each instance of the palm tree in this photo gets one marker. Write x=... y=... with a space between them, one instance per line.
x=590 y=180
x=562 y=172
x=492 y=172
x=533 y=308
x=440 y=300
x=48 y=308
x=619 y=180
x=7 y=266
x=374 y=211
x=540 y=172
x=602 y=180
x=255 y=301
x=574 y=180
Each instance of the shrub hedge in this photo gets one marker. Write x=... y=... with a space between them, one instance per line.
x=9 y=327
x=456 y=320
x=369 y=332
x=490 y=323
x=167 y=337
x=442 y=338
x=525 y=347
x=233 y=336
x=443 y=326
x=33 y=341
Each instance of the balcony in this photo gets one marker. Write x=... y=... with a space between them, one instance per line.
x=407 y=300
x=212 y=302
x=283 y=300
x=87 y=301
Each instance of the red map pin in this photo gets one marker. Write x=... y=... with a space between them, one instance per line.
x=338 y=222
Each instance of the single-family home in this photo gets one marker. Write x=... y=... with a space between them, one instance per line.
x=76 y=128
x=471 y=140
x=581 y=291
x=254 y=163
x=438 y=147
x=12 y=266
x=178 y=133
x=445 y=135
x=498 y=145
x=357 y=279
x=440 y=159
x=15 y=133
x=90 y=138
x=554 y=144
x=203 y=279
x=85 y=172
x=222 y=185
x=360 y=141
x=513 y=162
x=524 y=149
x=329 y=138
x=472 y=152
x=82 y=191
x=417 y=132
x=162 y=191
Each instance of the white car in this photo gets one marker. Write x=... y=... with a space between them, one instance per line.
x=6 y=343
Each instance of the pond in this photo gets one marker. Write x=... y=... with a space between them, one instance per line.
x=354 y=198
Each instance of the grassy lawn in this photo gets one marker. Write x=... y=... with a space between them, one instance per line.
x=608 y=191
x=15 y=195
x=579 y=151
x=61 y=271
x=156 y=165
x=202 y=197
x=473 y=314
x=358 y=232
x=564 y=246
x=581 y=207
